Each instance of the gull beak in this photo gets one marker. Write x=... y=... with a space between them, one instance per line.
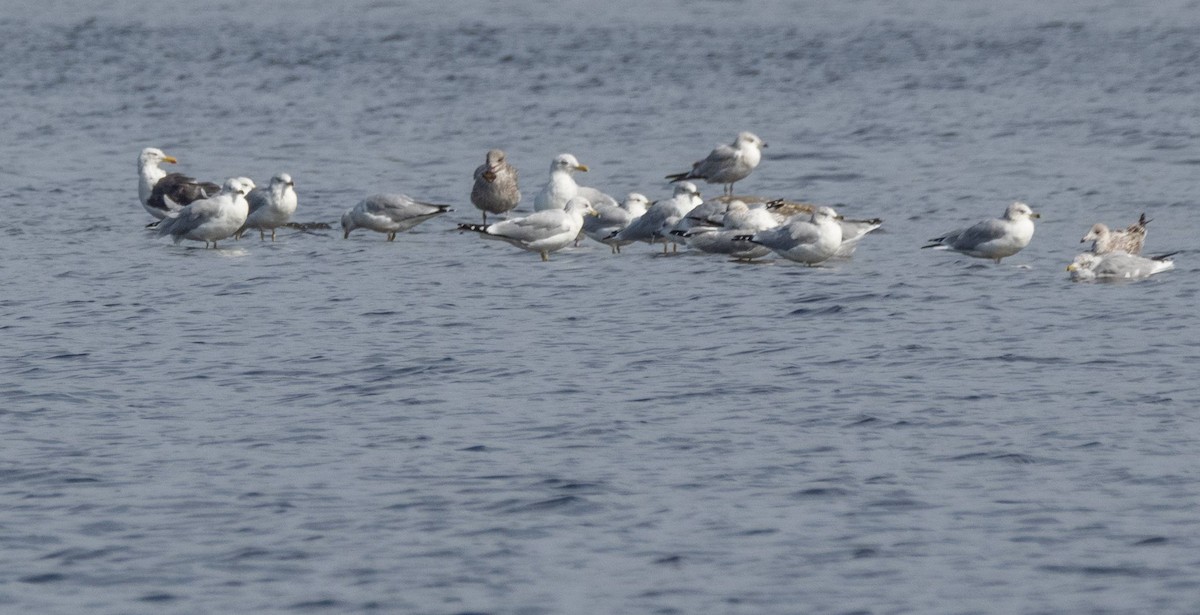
x=581 y=167
x=170 y=159
x=1035 y=215
x=1072 y=267
x=839 y=217
x=1084 y=240
x=764 y=144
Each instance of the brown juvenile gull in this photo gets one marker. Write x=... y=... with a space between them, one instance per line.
x=495 y=190
x=727 y=164
x=389 y=214
x=995 y=238
x=1129 y=240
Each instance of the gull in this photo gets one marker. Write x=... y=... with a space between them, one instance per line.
x=810 y=241
x=853 y=230
x=995 y=238
x=731 y=237
x=212 y=219
x=1117 y=266
x=542 y=232
x=561 y=187
x=389 y=214
x=270 y=208
x=727 y=163
x=610 y=220
x=162 y=193
x=654 y=225
x=1129 y=240
x=495 y=190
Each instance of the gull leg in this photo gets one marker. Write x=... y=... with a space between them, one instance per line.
x=391 y=236
x=272 y=235
x=545 y=256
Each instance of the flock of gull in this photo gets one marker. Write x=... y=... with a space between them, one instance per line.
x=744 y=228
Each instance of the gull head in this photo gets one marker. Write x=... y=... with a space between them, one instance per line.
x=749 y=138
x=686 y=188
x=1019 y=210
x=282 y=181
x=635 y=202
x=1084 y=266
x=581 y=205
x=495 y=160
x=153 y=156
x=347 y=224
x=238 y=185
x=1096 y=233
x=567 y=163
x=825 y=213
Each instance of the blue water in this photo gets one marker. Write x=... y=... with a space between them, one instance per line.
x=448 y=425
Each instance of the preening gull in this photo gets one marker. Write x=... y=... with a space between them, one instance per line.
x=162 y=193
x=727 y=163
x=212 y=219
x=542 y=232
x=495 y=190
x=610 y=220
x=1117 y=266
x=654 y=225
x=1129 y=240
x=389 y=214
x=561 y=187
x=995 y=238
x=272 y=207
x=810 y=241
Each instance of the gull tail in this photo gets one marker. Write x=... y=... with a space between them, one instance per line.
x=478 y=228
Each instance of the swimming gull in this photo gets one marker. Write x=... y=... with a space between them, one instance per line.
x=1129 y=240
x=809 y=241
x=495 y=190
x=211 y=219
x=610 y=220
x=995 y=238
x=389 y=214
x=561 y=187
x=542 y=232
x=162 y=193
x=727 y=164
x=1117 y=266
x=654 y=225
x=272 y=207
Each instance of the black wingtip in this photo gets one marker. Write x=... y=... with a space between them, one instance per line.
x=677 y=177
x=478 y=228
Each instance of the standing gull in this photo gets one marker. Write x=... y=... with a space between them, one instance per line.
x=542 y=232
x=495 y=190
x=270 y=208
x=162 y=193
x=995 y=238
x=654 y=225
x=561 y=187
x=1129 y=240
x=1117 y=266
x=727 y=164
x=211 y=219
x=389 y=214
x=810 y=241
